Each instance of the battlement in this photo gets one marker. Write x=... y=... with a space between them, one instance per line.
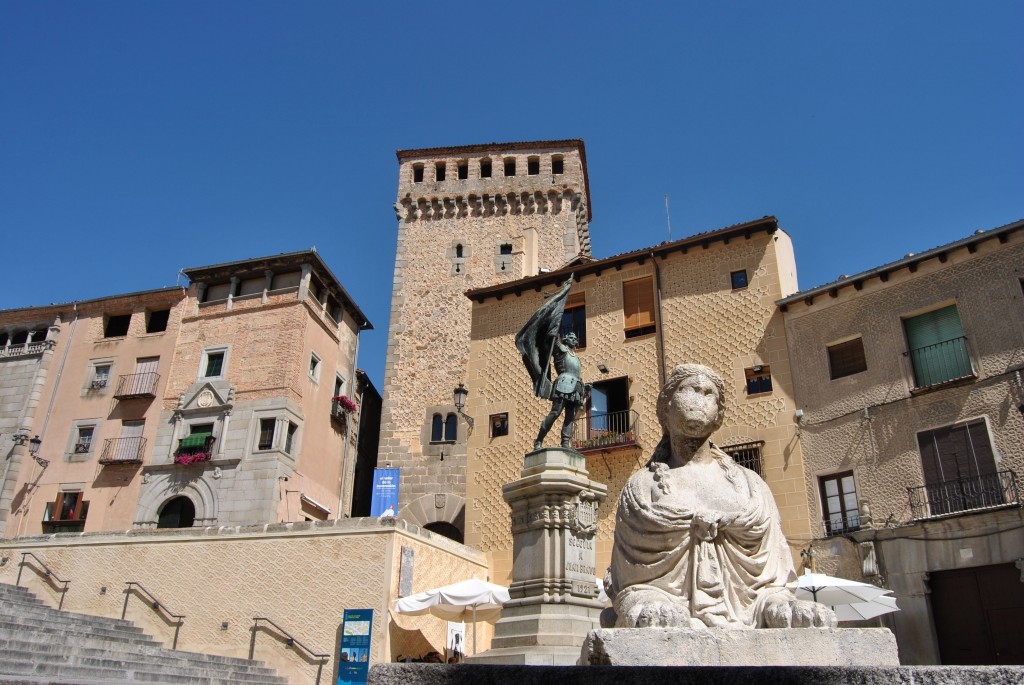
x=525 y=169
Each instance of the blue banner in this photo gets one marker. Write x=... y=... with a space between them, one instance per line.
x=354 y=656
x=385 y=492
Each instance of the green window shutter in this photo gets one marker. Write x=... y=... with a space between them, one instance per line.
x=195 y=440
x=937 y=347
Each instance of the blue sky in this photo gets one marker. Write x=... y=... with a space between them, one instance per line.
x=140 y=138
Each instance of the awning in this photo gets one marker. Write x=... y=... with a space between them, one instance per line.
x=195 y=440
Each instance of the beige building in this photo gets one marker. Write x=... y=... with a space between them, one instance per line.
x=909 y=380
x=90 y=393
x=468 y=217
x=710 y=299
x=214 y=405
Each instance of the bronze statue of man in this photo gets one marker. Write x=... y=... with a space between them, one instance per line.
x=539 y=343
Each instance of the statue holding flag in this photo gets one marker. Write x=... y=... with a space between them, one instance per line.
x=539 y=343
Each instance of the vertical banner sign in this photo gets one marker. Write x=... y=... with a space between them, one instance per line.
x=354 y=658
x=385 y=492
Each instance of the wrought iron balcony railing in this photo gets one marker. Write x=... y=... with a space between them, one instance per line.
x=837 y=524
x=943 y=362
x=132 y=385
x=964 y=494
x=606 y=431
x=123 y=451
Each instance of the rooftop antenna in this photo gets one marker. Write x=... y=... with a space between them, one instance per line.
x=668 y=218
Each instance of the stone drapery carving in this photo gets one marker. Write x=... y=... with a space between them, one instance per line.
x=698 y=540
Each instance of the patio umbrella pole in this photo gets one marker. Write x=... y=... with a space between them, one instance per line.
x=474 y=630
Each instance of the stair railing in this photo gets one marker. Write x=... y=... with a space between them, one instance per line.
x=158 y=606
x=289 y=641
x=46 y=573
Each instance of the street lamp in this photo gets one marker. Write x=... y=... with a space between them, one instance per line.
x=33 y=446
x=459 y=396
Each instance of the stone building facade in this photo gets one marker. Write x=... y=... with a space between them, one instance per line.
x=214 y=404
x=468 y=217
x=710 y=299
x=909 y=379
x=264 y=347
x=94 y=404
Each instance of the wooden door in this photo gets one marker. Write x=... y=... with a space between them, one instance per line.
x=979 y=615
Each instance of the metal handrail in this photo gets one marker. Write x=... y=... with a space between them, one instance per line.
x=122 y=450
x=48 y=574
x=290 y=641
x=606 y=430
x=964 y=494
x=157 y=606
x=137 y=385
x=940 y=363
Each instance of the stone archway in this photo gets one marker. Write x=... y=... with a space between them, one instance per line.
x=177 y=512
x=159 y=488
x=438 y=509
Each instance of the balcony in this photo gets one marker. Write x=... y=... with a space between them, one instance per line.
x=613 y=430
x=123 y=451
x=23 y=349
x=134 y=385
x=944 y=362
x=974 y=493
x=837 y=524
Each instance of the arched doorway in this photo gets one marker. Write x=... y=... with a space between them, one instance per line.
x=179 y=512
x=446 y=529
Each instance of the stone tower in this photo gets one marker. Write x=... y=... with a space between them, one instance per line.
x=468 y=217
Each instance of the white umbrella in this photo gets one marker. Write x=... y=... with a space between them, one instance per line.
x=835 y=591
x=860 y=611
x=469 y=600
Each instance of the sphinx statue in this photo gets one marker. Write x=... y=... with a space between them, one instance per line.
x=698 y=540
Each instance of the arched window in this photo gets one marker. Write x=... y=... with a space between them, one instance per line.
x=179 y=512
x=436 y=428
x=451 y=428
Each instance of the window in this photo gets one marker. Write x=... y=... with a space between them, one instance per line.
x=266 y=437
x=937 y=347
x=439 y=171
x=197 y=445
x=289 y=438
x=759 y=379
x=505 y=249
x=574 y=318
x=83 y=439
x=959 y=468
x=556 y=165
x=443 y=429
x=417 y=173
x=314 y=367
x=128 y=447
x=638 y=307
x=846 y=358
x=458 y=251
x=339 y=384
x=609 y=422
x=179 y=512
x=510 y=166
x=117 y=326
x=68 y=508
x=20 y=338
x=499 y=424
x=533 y=166
x=156 y=321
x=739 y=279
x=839 y=503
x=38 y=335
x=747 y=455
x=213 y=363
x=100 y=376
x=4 y=339
x=463 y=169
x=485 y=168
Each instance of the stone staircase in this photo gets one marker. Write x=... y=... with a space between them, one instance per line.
x=42 y=645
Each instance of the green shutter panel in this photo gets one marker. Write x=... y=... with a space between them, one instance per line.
x=938 y=351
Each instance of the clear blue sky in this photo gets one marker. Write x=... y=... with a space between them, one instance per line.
x=138 y=138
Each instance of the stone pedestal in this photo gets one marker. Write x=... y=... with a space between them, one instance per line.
x=554 y=594
x=762 y=647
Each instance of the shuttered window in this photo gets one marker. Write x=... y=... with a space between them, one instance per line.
x=638 y=307
x=574 y=318
x=959 y=469
x=846 y=358
x=938 y=349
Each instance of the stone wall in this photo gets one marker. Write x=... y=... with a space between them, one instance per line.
x=544 y=219
x=302 y=576
x=703 y=320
